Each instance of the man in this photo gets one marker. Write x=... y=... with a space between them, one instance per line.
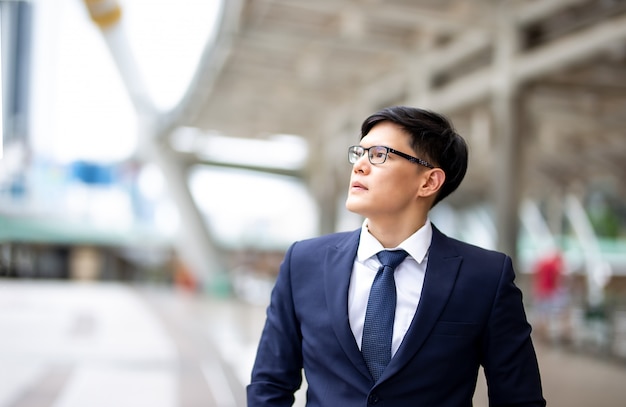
x=455 y=306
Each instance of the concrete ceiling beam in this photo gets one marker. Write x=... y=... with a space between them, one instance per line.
x=548 y=59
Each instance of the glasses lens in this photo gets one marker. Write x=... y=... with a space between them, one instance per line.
x=378 y=154
x=354 y=153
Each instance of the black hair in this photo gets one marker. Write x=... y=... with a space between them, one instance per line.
x=433 y=138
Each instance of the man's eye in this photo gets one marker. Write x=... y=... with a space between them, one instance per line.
x=378 y=154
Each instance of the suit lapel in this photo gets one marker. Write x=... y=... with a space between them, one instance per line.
x=337 y=271
x=441 y=271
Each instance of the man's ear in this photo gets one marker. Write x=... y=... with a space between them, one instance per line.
x=432 y=182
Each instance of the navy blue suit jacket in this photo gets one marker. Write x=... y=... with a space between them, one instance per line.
x=470 y=314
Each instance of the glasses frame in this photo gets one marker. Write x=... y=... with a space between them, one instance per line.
x=388 y=150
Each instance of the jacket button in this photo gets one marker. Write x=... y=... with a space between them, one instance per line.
x=372 y=399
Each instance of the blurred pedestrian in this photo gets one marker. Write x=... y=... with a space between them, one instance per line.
x=550 y=297
x=547 y=273
x=421 y=340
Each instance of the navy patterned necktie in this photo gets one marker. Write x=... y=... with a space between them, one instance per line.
x=380 y=313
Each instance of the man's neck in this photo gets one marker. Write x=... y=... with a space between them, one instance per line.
x=391 y=234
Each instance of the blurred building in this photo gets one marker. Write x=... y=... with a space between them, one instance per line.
x=538 y=88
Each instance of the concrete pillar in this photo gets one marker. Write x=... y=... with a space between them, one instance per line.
x=85 y=263
x=506 y=108
x=328 y=171
x=195 y=244
x=420 y=73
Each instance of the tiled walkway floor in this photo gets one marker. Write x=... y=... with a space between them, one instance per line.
x=68 y=344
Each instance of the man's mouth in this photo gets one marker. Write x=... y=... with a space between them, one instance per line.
x=357 y=185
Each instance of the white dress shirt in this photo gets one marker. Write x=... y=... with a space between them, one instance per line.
x=409 y=276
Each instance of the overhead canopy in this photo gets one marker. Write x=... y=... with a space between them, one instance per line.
x=317 y=68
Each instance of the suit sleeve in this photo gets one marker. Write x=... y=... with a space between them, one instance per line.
x=277 y=371
x=509 y=358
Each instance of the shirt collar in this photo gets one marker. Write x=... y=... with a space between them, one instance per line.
x=416 y=245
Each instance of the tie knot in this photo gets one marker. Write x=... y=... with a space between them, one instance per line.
x=391 y=258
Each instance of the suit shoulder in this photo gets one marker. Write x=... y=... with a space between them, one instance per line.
x=471 y=251
x=314 y=246
x=331 y=239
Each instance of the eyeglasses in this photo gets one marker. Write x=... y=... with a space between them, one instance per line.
x=378 y=155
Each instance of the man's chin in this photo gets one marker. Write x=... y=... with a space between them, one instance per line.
x=354 y=207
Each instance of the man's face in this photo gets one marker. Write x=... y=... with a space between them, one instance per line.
x=389 y=189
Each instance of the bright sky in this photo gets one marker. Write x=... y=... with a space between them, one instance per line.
x=268 y=205
x=81 y=106
x=82 y=111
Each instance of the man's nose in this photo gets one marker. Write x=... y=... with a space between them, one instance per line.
x=362 y=164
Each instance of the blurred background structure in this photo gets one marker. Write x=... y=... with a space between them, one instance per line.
x=185 y=144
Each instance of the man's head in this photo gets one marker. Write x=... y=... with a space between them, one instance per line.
x=432 y=139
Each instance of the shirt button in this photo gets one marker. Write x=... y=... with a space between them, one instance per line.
x=372 y=399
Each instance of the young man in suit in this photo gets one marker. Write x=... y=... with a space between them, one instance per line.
x=454 y=306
